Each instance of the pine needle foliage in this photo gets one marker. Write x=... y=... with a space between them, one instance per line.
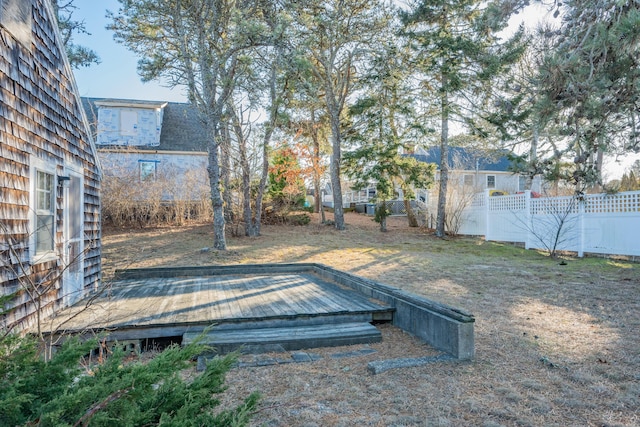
x=68 y=391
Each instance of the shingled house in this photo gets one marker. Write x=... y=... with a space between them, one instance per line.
x=149 y=149
x=49 y=172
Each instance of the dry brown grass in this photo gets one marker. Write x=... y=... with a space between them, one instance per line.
x=556 y=345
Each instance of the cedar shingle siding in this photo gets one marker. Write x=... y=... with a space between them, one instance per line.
x=41 y=119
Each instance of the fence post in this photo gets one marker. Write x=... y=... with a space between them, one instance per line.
x=581 y=203
x=528 y=218
x=487 y=216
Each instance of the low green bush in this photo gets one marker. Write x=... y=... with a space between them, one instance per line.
x=68 y=390
x=299 y=219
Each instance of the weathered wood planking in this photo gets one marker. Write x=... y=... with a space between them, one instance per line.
x=286 y=338
x=189 y=301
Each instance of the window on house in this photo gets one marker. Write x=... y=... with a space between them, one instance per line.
x=148 y=170
x=468 y=180
x=44 y=212
x=522 y=183
x=491 y=181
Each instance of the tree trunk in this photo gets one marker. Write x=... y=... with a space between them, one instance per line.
x=533 y=155
x=444 y=163
x=317 y=193
x=257 y=219
x=249 y=229
x=598 y=166
x=411 y=215
x=219 y=239
x=225 y=173
x=382 y=215
x=266 y=140
x=317 y=202
x=338 y=212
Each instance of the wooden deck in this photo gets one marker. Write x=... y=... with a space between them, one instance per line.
x=172 y=306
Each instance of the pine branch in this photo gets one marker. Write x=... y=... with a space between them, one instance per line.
x=84 y=420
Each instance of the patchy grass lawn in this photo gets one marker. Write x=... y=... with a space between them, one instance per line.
x=556 y=345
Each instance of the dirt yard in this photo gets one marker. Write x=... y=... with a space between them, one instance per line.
x=556 y=345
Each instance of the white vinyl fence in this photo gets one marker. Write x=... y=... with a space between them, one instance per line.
x=598 y=223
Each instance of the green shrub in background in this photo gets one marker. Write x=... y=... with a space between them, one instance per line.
x=68 y=391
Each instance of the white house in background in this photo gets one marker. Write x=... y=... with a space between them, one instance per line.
x=143 y=141
x=471 y=171
x=479 y=170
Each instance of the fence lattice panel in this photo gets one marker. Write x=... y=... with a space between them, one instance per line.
x=616 y=203
x=599 y=223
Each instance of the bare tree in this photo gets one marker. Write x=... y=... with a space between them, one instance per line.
x=197 y=45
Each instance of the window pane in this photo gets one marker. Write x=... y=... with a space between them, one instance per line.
x=491 y=181
x=147 y=171
x=45 y=203
x=75 y=207
x=44 y=233
x=522 y=183
x=44 y=191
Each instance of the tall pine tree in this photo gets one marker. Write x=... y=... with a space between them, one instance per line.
x=382 y=129
x=590 y=81
x=339 y=36
x=457 y=55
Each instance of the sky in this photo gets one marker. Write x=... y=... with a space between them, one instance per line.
x=116 y=76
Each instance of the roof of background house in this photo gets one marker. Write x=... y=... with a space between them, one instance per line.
x=181 y=128
x=468 y=159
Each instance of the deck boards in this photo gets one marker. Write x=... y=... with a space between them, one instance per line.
x=186 y=301
x=291 y=338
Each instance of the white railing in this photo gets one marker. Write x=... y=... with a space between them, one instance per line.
x=598 y=223
x=361 y=196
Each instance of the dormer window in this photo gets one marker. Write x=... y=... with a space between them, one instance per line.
x=129 y=123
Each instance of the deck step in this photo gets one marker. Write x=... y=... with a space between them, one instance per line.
x=261 y=340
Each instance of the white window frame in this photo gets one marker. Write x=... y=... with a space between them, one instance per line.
x=148 y=176
x=491 y=187
x=42 y=167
